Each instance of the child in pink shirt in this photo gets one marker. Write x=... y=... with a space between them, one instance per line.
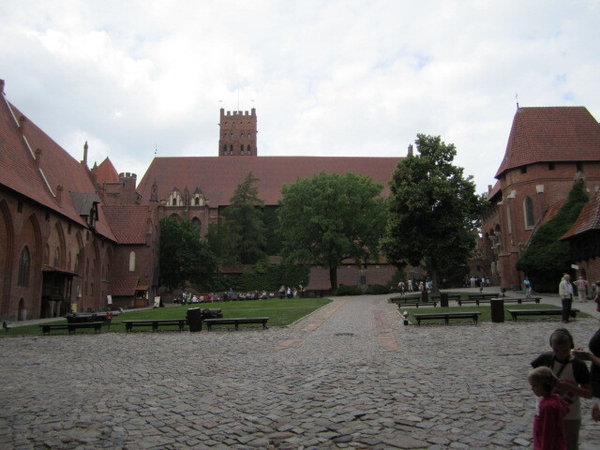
x=548 y=425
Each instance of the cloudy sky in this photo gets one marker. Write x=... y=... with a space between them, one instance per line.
x=327 y=77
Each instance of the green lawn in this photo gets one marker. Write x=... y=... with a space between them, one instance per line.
x=485 y=312
x=281 y=312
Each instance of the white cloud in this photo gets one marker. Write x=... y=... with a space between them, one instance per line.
x=327 y=77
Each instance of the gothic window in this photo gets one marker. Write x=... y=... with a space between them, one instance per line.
x=242 y=149
x=56 y=258
x=231 y=149
x=76 y=268
x=132 y=261
x=47 y=255
x=24 y=264
x=529 y=215
x=197 y=201
x=249 y=152
x=174 y=201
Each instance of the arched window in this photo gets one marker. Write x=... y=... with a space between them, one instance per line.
x=56 y=258
x=132 y=261
x=249 y=151
x=242 y=149
x=528 y=210
x=24 y=265
x=76 y=268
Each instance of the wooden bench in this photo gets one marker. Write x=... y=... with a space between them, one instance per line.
x=236 y=321
x=409 y=299
x=447 y=316
x=154 y=323
x=483 y=296
x=479 y=301
x=416 y=304
x=47 y=328
x=539 y=312
x=450 y=297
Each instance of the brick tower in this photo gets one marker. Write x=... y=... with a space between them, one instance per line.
x=237 y=134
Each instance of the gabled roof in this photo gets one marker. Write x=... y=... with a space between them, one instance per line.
x=218 y=177
x=588 y=220
x=106 y=173
x=551 y=134
x=128 y=223
x=38 y=178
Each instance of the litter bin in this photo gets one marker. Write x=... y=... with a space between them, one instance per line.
x=497 y=310
x=443 y=299
x=194 y=318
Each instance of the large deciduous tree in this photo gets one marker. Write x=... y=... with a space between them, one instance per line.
x=329 y=218
x=184 y=258
x=433 y=210
x=244 y=229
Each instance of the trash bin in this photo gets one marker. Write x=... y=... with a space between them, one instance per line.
x=443 y=299
x=424 y=296
x=497 y=310
x=194 y=318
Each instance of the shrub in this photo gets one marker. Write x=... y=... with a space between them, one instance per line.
x=378 y=289
x=348 y=290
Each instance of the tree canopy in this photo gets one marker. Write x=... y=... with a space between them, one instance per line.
x=546 y=258
x=433 y=210
x=243 y=240
x=184 y=258
x=331 y=217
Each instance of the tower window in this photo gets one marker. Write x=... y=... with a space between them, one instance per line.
x=24 y=263
x=529 y=214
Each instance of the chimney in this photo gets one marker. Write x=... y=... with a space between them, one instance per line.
x=85 y=153
x=410 y=150
x=38 y=157
x=1 y=86
x=59 y=191
x=22 y=121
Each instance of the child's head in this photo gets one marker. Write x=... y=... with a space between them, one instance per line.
x=561 y=341
x=542 y=381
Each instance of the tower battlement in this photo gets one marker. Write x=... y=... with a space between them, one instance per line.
x=237 y=134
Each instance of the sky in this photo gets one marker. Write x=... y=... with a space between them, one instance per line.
x=139 y=79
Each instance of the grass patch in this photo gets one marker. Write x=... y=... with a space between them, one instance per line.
x=486 y=314
x=281 y=312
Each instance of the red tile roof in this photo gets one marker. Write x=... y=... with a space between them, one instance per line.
x=588 y=220
x=551 y=134
x=106 y=173
x=129 y=223
x=37 y=179
x=218 y=177
x=124 y=286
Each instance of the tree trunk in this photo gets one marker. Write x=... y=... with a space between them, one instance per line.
x=333 y=278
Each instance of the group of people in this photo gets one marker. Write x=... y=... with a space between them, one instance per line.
x=566 y=292
x=412 y=285
x=291 y=292
x=559 y=379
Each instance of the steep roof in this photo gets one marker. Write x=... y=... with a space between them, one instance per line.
x=37 y=178
x=218 y=177
x=551 y=134
x=129 y=223
x=588 y=220
x=106 y=172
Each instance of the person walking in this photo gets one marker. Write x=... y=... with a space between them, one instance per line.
x=581 y=288
x=565 y=290
x=527 y=286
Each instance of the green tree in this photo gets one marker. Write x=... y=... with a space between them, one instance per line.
x=433 y=210
x=546 y=258
x=329 y=218
x=244 y=230
x=184 y=258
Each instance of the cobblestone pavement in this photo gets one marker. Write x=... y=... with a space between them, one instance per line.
x=348 y=376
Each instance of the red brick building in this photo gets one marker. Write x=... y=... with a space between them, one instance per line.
x=196 y=188
x=62 y=247
x=548 y=149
